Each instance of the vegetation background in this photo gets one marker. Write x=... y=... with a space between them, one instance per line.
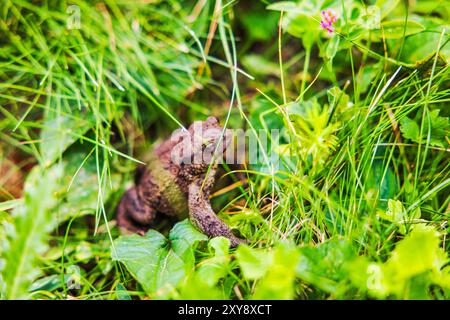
x=359 y=208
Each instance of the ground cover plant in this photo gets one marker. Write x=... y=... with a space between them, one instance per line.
x=350 y=202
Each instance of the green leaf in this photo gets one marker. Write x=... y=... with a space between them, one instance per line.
x=27 y=237
x=157 y=263
x=254 y=263
x=418 y=252
x=315 y=135
x=49 y=283
x=122 y=293
x=332 y=47
x=83 y=195
x=396 y=214
x=302 y=26
x=211 y=270
x=322 y=265
x=435 y=129
x=410 y=129
x=396 y=29
x=10 y=204
x=274 y=270
x=279 y=280
x=60 y=132
x=204 y=283
x=421 y=46
x=414 y=265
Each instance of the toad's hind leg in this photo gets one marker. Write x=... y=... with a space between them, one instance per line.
x=134 y=214
x=202 y=215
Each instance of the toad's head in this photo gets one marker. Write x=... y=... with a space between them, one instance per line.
x=204 y=142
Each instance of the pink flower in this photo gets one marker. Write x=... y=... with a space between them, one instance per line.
x=328 y=18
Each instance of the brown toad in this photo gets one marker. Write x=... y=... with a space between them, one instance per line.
x=177 y=181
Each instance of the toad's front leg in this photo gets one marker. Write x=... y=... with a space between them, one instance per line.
x=202 y=215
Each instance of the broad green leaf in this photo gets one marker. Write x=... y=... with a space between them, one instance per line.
x=302 y=26
x=59 y=133
x=396 y=29
x=27 y=237
x=279 y=280
x=212 y=269
x=157 y=263
x=421 y=46
x=396 y=211
x=254 y=263
x=80 y=174
x=274 y=270
x=220 y=246
x=410 y=129
x=192 y=289
x=182 y=236
x=204 y=282
x=418 y=252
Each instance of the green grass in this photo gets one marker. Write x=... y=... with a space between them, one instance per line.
x=358 y=209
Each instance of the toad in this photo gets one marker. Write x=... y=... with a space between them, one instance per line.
x=177 y=181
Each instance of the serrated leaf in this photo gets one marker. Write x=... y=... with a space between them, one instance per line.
x=416 y=257
x=435 y=129
x=410 y=129
x=27 y=237
x=322 y=265
x=397 y=214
